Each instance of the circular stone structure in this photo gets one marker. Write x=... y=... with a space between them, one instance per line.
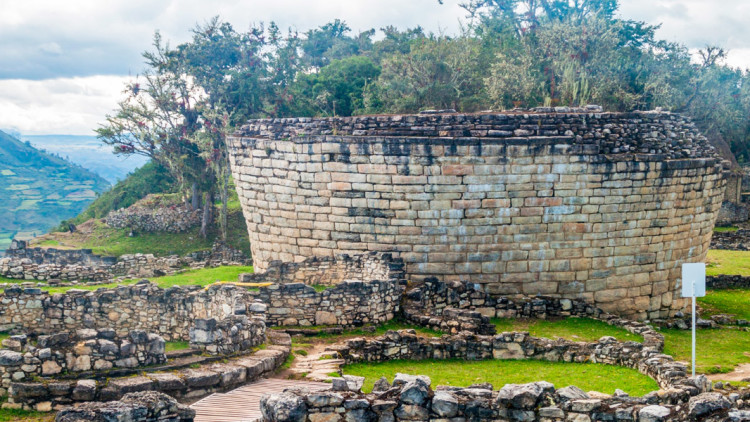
x=603 y=207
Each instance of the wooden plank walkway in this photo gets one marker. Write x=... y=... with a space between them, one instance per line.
x=243 y=404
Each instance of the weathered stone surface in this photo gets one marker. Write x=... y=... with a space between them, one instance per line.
x=707 y=403
x=653 y=413
x=407 y=183
x=523 y=396
x=284 y=407
x=445 y=404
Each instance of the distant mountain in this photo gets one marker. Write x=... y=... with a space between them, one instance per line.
x=88 y=152
x=38 y=190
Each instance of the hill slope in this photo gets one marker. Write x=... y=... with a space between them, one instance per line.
x=37 y=190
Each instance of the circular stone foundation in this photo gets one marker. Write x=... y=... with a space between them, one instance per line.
x=603 y=207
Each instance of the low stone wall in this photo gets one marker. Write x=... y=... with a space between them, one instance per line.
x=728 y=282
x=186 y=383
x=44 y=264
x=143 y=306
x=411 y=398
x=230 y=335
x=405 y=344
x=81 y=351
x=349 y=304
x=736 y=241
x=169 y=219
x=147 y=406
x=330 y=271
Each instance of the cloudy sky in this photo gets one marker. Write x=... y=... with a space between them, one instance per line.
x=63 y=64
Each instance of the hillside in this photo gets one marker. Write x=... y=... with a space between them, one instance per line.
x=38 y=190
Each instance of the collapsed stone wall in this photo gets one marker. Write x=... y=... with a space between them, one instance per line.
x=233 y=334
x=735 y=241
x=171 y=219
x=45 y=264
x=81 y=351
x=147 y=406
x=602 y=207
x=168 y=312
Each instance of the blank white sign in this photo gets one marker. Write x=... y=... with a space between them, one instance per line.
x=694 y=280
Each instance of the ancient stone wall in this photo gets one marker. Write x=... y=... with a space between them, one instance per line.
x=330 y=271
x=171 y=219
x=348 y=304
x=233 y=334
x=81 y=351
x=147 y=406
x=167 y=312
x=602 y=207
x=45 y=264
x=412 y=398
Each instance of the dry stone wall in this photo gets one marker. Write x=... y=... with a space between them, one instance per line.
x=168 y=312
x=85 y=350
x=602 y=207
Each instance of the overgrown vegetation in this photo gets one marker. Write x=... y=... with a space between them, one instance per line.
x=588 y=376
x=576 y=329
x=172 y=346
x=13 y=415
x=726 y=229
x=150 y=178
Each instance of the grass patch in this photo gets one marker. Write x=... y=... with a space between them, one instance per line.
x=301 y=352
x=588 y=376
x=729 y=301
x=728 y=229
x=576 y=329
x=200 y=277
x=718 y=350
x=8 y=415
x=728 y=262
x=172 y=346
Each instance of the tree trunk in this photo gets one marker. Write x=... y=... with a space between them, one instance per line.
x=196 y=197
x=206 y=220
x=224 y=200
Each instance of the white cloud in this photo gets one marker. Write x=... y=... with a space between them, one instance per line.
x=60 y=106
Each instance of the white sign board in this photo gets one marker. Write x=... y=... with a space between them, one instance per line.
x=694 y=280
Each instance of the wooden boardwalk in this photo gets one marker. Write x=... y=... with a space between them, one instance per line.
x=243 y=404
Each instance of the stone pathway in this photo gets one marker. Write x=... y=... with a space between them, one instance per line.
x=318 y=363
x=243 y=404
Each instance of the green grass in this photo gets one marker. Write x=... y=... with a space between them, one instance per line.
x=728 y=262
x=588 y=376
x=8 y=415
x=726 y=229
x=576 y=329
x=172 y=346
x=717 y=350
x=729 y=301
x=200 y=277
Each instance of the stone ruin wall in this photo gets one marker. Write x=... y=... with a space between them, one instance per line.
x=46 y=264
x=602 y=207
x=171 y=313
x=366 y=289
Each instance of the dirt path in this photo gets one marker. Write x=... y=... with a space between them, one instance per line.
x=741 y=373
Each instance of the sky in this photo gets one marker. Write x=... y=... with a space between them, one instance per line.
x=63 y=65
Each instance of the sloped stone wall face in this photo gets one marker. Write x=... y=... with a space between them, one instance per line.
x=601 y=207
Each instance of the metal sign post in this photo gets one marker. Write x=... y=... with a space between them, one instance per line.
x=693 y=285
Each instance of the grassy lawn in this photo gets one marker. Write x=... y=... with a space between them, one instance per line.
x=576 y=329
x=718 y=350
x=201 y=277
x=588 y=376
x=728 y=262
x=729 y=301
x=8 y=415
